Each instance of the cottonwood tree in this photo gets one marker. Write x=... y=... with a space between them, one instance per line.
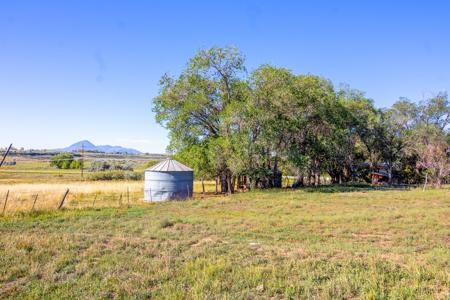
x=270 y=110
x=318 y=102
x=435 y=158
x=424 y=128
x=354 y=118
x=193 y=106
x=242 y=129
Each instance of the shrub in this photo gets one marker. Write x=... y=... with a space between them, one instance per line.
x=133 y=176
x=103 y=165
x=122 y=165
x=115 y=175
x=64 y=160
x=99 y=165
x=76 y=164
x=151 y=163
x=108 y=175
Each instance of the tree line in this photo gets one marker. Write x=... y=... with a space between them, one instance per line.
x=245 y=128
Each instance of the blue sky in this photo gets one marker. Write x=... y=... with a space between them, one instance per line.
x=72 y=70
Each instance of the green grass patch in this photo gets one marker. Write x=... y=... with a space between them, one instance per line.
x=281 y=244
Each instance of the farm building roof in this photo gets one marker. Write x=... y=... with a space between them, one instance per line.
x=169 y=165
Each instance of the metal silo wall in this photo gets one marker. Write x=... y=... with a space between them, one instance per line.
x=161 y=186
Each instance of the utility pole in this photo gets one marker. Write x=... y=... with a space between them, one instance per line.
x=6 y=154
x=82 y=160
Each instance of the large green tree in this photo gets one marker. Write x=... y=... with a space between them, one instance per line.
x=194 y=106
x=244 y=128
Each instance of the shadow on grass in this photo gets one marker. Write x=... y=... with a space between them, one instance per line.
x=352 y=187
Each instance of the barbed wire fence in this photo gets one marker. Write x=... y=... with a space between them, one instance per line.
x=21 y=200
x=33 y=201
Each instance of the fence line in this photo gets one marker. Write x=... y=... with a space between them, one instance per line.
x=28 y=201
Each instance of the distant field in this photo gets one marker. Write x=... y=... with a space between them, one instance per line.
x=327 y=243
x=82 y=194
x=38 y=170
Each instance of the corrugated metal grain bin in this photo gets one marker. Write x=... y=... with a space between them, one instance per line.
x=168 y=180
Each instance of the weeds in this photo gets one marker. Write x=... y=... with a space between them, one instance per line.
x=165 y=223
x=263 y=244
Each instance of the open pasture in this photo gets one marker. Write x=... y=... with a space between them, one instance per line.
x=82 y=194
x=317 y=243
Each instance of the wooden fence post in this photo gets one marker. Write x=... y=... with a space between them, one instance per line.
x=61 y=203
x=34 y=202
x=93 y=203
x=120 y=200
x=5 y=155
x=6 y=200
x=203 y=186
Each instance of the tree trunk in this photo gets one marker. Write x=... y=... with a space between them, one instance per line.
x=203 y=186
x=252 y=182
x=390 y=174
x=223 y=183
x=217 y=185
x=228 y=178
x=438 y=182
x=438 y=178
x=299 y=181
x=275 y=173
x=426 y=181
x=245 y=183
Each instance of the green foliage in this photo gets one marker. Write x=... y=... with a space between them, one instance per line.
x=150 y=163
x=197 y=157
x=196 y=105
x=227 y=123
x=422 y=130
x=65 y=160
x=76 y=164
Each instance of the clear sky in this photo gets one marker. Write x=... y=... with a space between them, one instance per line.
x=73 y=70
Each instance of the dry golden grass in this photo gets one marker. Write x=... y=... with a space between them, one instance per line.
x=81 y=194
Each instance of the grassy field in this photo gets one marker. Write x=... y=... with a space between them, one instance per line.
x=323 y=243
x=35 y=170
x=82 y=194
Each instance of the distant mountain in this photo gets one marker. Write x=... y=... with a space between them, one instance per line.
x=88 y=146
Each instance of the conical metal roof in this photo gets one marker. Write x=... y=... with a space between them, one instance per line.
x=169 y=165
